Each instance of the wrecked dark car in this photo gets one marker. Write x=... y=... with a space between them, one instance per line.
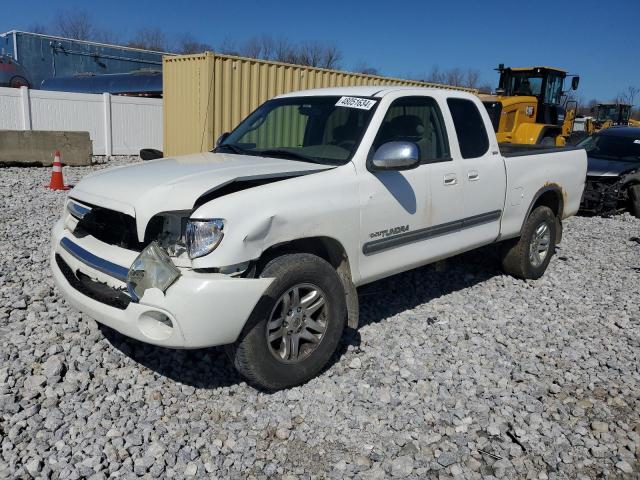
x=613 y=172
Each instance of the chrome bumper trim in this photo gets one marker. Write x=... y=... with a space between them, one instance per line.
x=77 y=210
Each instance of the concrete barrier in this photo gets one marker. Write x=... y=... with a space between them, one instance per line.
x=36 y=147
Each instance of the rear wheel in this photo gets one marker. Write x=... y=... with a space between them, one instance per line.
x=296 y=327
x=634 y=200
x=528 y=256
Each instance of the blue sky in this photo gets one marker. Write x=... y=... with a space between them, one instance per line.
x=596 y=39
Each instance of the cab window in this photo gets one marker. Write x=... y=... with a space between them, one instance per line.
x=470 y=128
x=417 y=120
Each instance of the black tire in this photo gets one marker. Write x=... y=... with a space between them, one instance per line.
x=634 y=200
x=516 y=255
x=252 y=355
x=150 y=154
x=548 y=142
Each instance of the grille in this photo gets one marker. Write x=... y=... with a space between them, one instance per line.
x=111 y=227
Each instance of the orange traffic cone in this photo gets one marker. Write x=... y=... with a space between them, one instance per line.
x=57 y=182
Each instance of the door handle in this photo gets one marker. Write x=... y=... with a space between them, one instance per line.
x=473 y=175
x=450 y=179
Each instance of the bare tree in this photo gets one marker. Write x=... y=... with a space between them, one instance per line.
x=331 y=57
x=188 y=44
x=473 y=77
x=39 y=28
x=265 y=47
x=365 y=68
x=228 y=47
x=588 y=108
x=455 y=77
x=149 y=39
x=629 y=95
x=285 y=51
x=104 y=36
x=485 y=88
x=74 y=24
x=317 y=54
x=260 y=46
x=435 y=76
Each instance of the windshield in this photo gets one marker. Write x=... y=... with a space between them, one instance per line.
x=524 y=84
x=626 y=149
x=314 y=129
x=615 y=113
x=608 y=112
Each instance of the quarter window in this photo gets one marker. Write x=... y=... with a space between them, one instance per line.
x=470 y=128
x=417 y=120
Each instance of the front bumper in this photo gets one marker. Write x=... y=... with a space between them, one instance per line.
x=603 y=195
x=198 y=310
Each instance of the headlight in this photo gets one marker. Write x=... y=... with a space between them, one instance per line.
x=203 y=236
x=151 y=269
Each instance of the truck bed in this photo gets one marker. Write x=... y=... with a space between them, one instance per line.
x=516 y=150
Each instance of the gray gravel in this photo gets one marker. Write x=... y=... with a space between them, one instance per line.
x=458 y=372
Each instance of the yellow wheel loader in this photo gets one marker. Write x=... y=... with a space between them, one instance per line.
x=527 y=106
x=607 y=115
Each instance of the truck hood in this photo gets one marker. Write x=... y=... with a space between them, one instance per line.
x=145 y=189
x=602 y=167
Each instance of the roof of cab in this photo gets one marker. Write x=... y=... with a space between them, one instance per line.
x=524 y=69
x=368 y=91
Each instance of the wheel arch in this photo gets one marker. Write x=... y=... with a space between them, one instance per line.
x=549 y=196
x=330 y=250
x=548 y=131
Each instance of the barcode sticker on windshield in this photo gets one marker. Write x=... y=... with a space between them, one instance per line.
x=355 y=102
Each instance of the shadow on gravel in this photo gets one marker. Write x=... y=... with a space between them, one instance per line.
x=405 y=291
x=210 y=368
x=202 y=368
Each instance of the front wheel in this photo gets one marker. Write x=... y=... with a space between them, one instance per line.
x=634 y=200
x=296 y=326
x=528 y=256
x=548 y=142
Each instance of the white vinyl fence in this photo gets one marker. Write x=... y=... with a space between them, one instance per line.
x=117 y=125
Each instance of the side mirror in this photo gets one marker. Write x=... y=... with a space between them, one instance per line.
x=396 y=156
x=575 y=81
x=222 y=138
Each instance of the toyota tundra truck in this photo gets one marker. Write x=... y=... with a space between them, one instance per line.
x=260 y=245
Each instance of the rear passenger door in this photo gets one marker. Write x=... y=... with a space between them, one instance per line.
x=483 y=173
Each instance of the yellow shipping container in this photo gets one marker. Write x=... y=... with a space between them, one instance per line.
x=208 y=94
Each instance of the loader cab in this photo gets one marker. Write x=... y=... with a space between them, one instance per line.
x=544 y=83
x=616 y=113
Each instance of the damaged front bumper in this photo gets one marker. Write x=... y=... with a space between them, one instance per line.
x=604 y=195
x=197 y=310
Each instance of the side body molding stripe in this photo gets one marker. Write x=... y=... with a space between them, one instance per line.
x=429 y=232
x=97 y=263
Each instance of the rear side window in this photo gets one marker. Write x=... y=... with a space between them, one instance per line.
x=472 y=134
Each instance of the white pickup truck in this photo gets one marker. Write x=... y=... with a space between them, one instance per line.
x=260 y=244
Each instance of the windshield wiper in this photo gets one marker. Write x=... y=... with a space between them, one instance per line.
x=230 y=146
x=277 y=152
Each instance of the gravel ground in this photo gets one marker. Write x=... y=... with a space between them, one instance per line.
x=459 y=371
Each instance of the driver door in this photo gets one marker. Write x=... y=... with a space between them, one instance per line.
x=397 y=213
